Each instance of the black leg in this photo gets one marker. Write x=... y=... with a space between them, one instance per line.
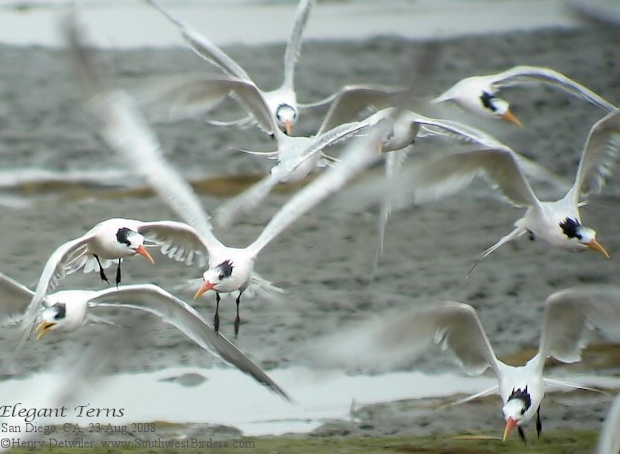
x=237 y=319
x=118 y=273
x=216 y=317
x=101 y=272
x=538 y=423
x=522 y=434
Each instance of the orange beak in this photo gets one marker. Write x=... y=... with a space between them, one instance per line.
x=205 y=288
x=144 y=253
x=509 y=116
x=43 y=328
x=288 y=127
x=595 y=245
x=511 y=423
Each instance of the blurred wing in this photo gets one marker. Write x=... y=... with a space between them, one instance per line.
x=609 y=438
x=358 y=155
x=175 y=98
x=571 y=313
x=450 y=174
x=203 y=47
x=520 y=75
x=155 y=300
x=248 y=199
x=66 y=259
x=599 y=156
x=389 y=342
x=457 y=130
x=353 y=100
x=177 y=240
x=393 y=163
x=228 y=212
x=125 y=131
x=293 y=47
x=14 y=299
x=452 y=326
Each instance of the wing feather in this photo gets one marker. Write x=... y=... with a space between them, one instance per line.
x=293 y=47
x=386 y=342
x=520 y=75
x=572 y=313
x=172 y=310
x=204 y=47
x=14 y=298
x=66 y=259
x=177 y=240
x=449 y=174
x=599 y=156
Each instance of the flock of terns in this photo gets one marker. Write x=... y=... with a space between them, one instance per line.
x=387 y=136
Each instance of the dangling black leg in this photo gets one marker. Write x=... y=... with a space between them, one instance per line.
x=522 y=434
x=101 y=272
x=531 y=236
x=538 y=423
x=118 y=273
x=237 y=319
x=216 y=317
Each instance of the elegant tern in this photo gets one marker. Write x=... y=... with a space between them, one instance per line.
x=403 y=132
x=476 y=94
x=569 y=316
x=556 y=222
x=67 y=310
x=109 y=241
x=281 y=103
x=125 y=131
x=297 y=157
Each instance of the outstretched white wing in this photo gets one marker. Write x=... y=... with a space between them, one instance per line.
x=293 y=47
x=177 y=240
x=66 y=259
x=203 y=47
x=172 y=310
x=353 y=100
x=520 y=75
x=599 y=156
x=449 y=174
x=571 y=313
x=14 y=299
x=393 y=341
x=172 y=98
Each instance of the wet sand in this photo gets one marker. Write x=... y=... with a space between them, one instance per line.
x=324 y=260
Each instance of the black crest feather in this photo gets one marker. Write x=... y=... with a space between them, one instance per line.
x=524 y=396
x=226 y=269
x=61 y=311
x=486 y=101
x=122 y=234
x=569 y=227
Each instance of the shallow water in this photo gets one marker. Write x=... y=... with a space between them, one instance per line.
x=221 y=396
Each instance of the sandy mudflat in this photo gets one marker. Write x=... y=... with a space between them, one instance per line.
x=324 y=260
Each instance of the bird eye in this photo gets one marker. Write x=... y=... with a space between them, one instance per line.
x=221 y=276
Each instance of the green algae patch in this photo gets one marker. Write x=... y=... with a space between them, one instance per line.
x=556 y=442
